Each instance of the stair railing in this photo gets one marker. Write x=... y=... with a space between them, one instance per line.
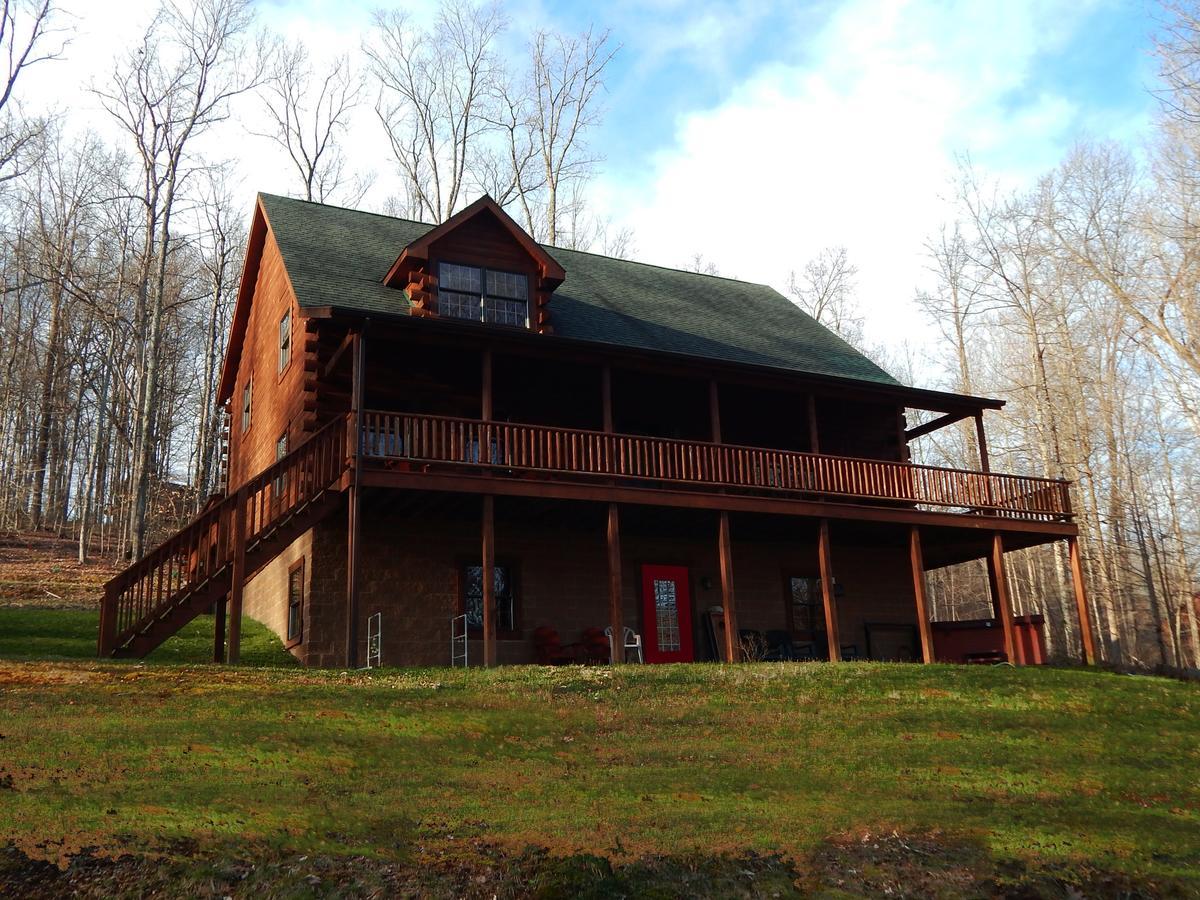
x=203 y=548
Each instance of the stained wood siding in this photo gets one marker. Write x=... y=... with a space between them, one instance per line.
x=277 y=396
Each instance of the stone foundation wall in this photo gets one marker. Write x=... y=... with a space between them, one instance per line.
x=265 y=596
x=411 y=570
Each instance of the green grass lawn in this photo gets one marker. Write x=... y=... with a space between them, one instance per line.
x=1079 y=777
x=33 y=633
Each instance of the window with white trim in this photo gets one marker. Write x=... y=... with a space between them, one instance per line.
x=285 y=340
x=247 y=399
x=483 y=295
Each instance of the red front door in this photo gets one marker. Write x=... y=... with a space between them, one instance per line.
x=666 y=614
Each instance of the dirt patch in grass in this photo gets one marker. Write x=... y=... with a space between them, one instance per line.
x=866 y=865
x=43 y=571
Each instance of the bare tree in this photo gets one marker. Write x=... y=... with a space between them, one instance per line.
x=567 y=74
x=173 y=87
x=703 y=266
x=309 y=113
x=27 y=36
x=434 y=87
x=1177 y=46
x=220 y=243
x=824 y=289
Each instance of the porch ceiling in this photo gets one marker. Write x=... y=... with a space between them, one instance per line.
x=942 y=546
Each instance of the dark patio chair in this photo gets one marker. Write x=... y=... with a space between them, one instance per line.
x=548 y=648
x=805 y=651
x=594 y=647
x=779 y=646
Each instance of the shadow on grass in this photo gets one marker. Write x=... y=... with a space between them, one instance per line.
x=30 y=633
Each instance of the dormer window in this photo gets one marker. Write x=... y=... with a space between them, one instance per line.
x=483 y=295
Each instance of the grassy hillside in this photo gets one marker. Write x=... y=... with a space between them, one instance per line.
x=754 y=780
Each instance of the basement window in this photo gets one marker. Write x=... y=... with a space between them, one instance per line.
x=472 y=599
x=295 y=602
x=285 y=340
x=483 y=295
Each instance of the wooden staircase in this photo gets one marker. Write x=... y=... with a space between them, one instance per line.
x=195 y=567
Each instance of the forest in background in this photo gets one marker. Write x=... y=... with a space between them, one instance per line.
x=1076 y=300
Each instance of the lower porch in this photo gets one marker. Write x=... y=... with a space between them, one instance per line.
x=691 y=584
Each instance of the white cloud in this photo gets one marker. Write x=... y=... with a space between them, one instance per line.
x=854 y=143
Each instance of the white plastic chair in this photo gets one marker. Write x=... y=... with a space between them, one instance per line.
x=633 y=641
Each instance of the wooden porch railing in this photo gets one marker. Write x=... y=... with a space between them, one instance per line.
x=698 y=465
x=204 y=548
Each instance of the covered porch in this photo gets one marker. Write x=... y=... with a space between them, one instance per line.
x=694 y=584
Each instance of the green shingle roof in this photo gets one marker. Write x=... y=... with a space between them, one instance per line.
x=338 y=257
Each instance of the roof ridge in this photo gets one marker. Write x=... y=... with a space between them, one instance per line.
x=551 y=248
x=364 y=212
x=650 y=265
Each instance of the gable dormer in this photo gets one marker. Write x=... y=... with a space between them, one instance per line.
x=479 y=265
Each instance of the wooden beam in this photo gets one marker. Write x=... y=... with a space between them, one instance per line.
x=733 y=644
x=981 y=441
x=1081 y=603
x=714 y=410
x=935 y=425
x=354 y=502
x=616 y=617
x=814 y=437
x=682 y=499
x=919 y=592
x=219 y=631
x=346 y=344
x=1000 y=601
x=238 y=582
x=831 y=615
x=489 y=581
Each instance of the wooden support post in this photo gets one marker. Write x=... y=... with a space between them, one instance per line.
x=714 y=410
x=606 y=406
x=981 y=443
x=354 y=503
x=1081 y=603
x=919 y=591
x=831 y=616
x=485 y=381
x=1000 y=602
x=616 y=617
x=902 y=436
x=814 y=438
x=733 y=644
x=219 y=631
x=238 y=581
x=489 y=581
x=108 y=621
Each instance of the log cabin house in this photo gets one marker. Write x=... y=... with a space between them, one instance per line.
x=685 y=456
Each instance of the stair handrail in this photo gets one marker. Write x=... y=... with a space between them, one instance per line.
x=203 y=546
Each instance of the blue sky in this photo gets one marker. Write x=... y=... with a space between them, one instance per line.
x=758 y=133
